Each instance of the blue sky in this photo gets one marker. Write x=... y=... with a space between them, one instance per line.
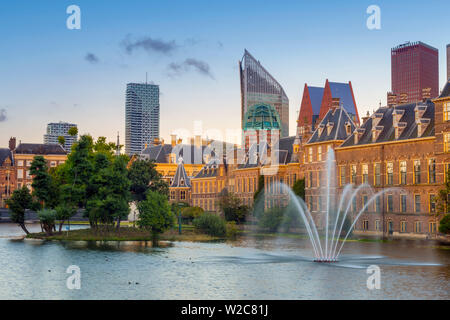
x=45 y=76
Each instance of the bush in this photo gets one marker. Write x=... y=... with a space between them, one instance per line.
x=444 y=224
x=47 y=218
x=211 y=224
x=232 y=229
x=190 y=213
x=271 y=219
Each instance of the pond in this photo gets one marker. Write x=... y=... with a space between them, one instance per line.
x=249 y=268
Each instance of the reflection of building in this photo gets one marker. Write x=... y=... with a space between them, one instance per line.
x=414 y=66
x=7 y=175
x=259 y=87
x=141 y=116
x=317 y=101
x=60 y=129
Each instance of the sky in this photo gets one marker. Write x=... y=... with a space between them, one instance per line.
x=191 y=49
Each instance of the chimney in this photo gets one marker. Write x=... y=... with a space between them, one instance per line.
x=391 y=99
x=12 y=143
x=335 y=104
x=173 y=139
x=179 y=141
x=426 y=94
x=364 y=119
x=403 y=98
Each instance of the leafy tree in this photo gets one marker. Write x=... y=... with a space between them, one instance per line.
x=260 y=187
x=271 y=219
x=61 y=140
x=144 y=177
x=211 y=224
x=47 y=218
x=299 y=188
x=43 y=188
x=155 y=215
x=20 y=201
x=232 y=208
x=73 y=131
x=64 y=212
x=444 y=224
x=190 y=213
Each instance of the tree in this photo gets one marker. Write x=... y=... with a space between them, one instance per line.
x=190 y=213
x=64 y=212
x=271 y=219
x=20 y=201
x=47 y=218
x=73 y=131
x=211 y=224
x=444 y=224
x=61 y=140
x=43 y=188
x=232 y=208
x=299 y=188
x=144 y=177
x=444 y=198
x=155 y=215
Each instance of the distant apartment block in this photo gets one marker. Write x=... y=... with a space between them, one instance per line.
x=60 y=129
x=141 y=116
x=414 y=67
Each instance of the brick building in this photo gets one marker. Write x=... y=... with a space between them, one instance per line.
x=7 y=175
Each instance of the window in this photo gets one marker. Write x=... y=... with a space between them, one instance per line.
x=447 y=142
x=377 y=225
x=19 y=173
x=28 y=176
x=172 y=195
x=432 y=227
x=390 y=173
x=20 y=163
x=183 y=195
x=432 y=203
x=365 y=173
x=310 y=179
x=377 y=174
x=418 y=227
x=353 y=170
x=403 y=203
x=432 y=171
x=402 y=172
x=319 y=153
x=378 y=205
x=366 y=225
x=364 y=199
x=403 y=226
x=342 y=176
x=416 y=171
x=446 y=111
x=310 y=154
x=417 y=203
x=354 y=207
x=390 y=203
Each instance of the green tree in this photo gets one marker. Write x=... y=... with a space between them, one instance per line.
x=444 y=224
x=20 y=201
x=155 y=215
x=232 y=208
x=299 y=188
x=190 y=213
x=144 y=177
x=43 y=187
x=271 y=219
x=73 y=131
x=61 y=140
x=211 y=224
x=444 y=196
x=47 y=218
x=64 y=211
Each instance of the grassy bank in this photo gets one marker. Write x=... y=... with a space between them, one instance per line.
x=125 y=234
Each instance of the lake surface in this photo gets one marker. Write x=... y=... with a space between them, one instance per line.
x=243 y=269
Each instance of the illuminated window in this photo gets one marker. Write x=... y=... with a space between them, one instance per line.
x=353 y=169
x=416 y=171
x=418 y=227
x=310 y=154
x=342 y=176
x=319 y=153
x=432 y=227
x=402 y=172
x=403 y=226
x=432 y=203
x=365 y=173
x=447 y=142
x=366 y=225
x=390 y=173
x=446 y=111
x=432 y=171
x=377 y=174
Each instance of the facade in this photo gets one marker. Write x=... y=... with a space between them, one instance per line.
x=316 y=102
x=259 y=87
x=60 y=129
x=180 y=188
x=7 y=175
x=141 y=116
x=448 y=61
x=414 y=67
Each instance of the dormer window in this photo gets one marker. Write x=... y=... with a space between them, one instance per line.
x=376 y=132
x=330 y=126
x=348 y=128
x=181 y=182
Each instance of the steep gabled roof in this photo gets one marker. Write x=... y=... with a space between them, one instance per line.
x=315 y=95
x=387 y=130
x=211 y=169
x=446 y=91
x=336 y=119
x=5 y=154
x=181 y=179
x=40 y=149
x=191 y=154
x=343 y=91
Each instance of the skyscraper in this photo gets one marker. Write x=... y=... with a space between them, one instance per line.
x=414 y=67
x=448 y=61
x=141 y=116
x=258 y=86
x=60 y=129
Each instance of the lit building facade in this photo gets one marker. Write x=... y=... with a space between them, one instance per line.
x=258 y=86
x=7 y=175
x=142 y=116
x=60 y=129
x=448 y=61
x=414 y=67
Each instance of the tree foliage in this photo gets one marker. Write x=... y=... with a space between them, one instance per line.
x=232 y=208
x=444 y=224
x=211 y=224
x=299 y=188
x=144 y=177
x=20 y=201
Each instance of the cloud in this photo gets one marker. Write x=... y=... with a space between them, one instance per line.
x=3 y=116
x=188 y=64
x=91 y=58
x=149 y=44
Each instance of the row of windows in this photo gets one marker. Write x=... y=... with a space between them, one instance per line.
x=205 y=204
x=208 y=186
x=417 y=226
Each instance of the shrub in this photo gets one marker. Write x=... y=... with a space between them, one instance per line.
x=271 y=219
x=444 y=225
x=211 y=224
x=47 y=218
x=232 y=229
x=190 y=213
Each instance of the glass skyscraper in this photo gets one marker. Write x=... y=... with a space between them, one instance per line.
x=258 y=86
x=141 y=116
x=60 y=129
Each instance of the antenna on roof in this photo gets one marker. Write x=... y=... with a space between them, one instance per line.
x=146 y=74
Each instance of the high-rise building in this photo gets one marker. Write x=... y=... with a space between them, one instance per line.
x=448 y=61
x=141 y=116
x=414 y=66
x=60 y=129
x=258 y=86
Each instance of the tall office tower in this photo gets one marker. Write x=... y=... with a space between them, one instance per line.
x=60 y=129
x=414 y=66
x=448 y=61
x=259 y=87
x=141 y=116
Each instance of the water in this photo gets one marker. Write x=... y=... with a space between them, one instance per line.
x=243 y=269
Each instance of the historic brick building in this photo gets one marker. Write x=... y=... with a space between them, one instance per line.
x=7 y=175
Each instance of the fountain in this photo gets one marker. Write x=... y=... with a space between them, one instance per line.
x=328 y=249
